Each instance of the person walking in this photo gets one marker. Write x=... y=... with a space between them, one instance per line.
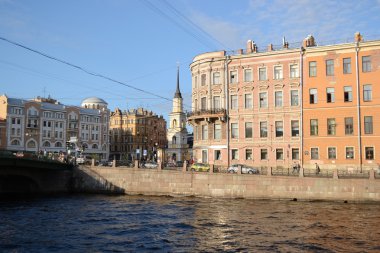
x=317 y=169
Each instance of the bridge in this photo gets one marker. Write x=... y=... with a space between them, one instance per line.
x=30 y=176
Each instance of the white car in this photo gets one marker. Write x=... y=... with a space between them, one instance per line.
x=244 y=169
x=81 y=160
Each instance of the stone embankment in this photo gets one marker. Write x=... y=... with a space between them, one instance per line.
x=224 y=185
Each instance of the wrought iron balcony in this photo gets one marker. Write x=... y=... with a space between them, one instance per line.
x=207 y=114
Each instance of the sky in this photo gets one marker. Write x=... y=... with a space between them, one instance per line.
x=138 y=44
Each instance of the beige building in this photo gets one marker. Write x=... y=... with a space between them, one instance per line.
x=43 y=124
x=136 y=134
x=246 y=106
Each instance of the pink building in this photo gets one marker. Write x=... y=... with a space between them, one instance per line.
x=246 y=107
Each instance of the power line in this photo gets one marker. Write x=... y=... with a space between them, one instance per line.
x=82 y=69
x=179 y=14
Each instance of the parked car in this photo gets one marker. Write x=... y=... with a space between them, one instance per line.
x=244 y=169
x=150 y=165
x=200 y=167
x=81 y=159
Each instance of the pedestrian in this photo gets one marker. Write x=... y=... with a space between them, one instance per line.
x=317 y=169
x=295 y=167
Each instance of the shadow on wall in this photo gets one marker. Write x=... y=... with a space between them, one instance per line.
x=87 y=181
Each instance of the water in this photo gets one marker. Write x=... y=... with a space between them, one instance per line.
x=98 y=223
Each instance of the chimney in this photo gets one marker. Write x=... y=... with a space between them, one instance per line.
x=270 y=47
x=249 y=46
x=309 y=41
x=358 y=37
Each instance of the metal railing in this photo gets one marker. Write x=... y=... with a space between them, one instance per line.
x=206 y=112
x=321 y=173
x=283 y=171
x=352 y=173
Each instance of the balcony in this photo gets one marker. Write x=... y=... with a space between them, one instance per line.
x=31 y=126
x=178 y=146
x=208 y=115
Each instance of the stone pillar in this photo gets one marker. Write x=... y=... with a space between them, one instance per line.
x=371 y=174
x=269 y=172
x=136 y=164
x=335 y=175
x=211 y=168
x=114 y=163
x=239 y=169
x=92 y=162
x=159 y=167
x=184 y=167
x=301 y=172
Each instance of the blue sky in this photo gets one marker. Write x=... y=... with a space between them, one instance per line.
x=140 y=42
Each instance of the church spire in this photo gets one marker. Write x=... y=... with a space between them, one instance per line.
x=177 y=92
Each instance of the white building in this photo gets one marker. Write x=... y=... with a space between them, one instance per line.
x=177 y=132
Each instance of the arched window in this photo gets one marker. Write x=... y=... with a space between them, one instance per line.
x=174 y=140
x=97 y=107
x=94 y=146
x=58 y=144
x=174 y=123
x=85 y=146
x=15 y=143
x=46 y=144
x=31 y=144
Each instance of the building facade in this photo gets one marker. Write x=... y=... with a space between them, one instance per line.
x=178 y=148
x=341 y=108
x=250 y=106
x=136 y=134
x=43 y=124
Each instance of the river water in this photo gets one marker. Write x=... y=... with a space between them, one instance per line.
x=99 y=223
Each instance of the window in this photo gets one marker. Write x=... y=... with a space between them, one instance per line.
x=263 y=96
x=217 y=131
x=216 y=78
x=331 y=153
x=330 y=95
x=314 y=154
x=217 y=155
x=294 y=71
x=295 y=128
x=234 y=102
x=346 y=65
x=369 y=153
x=294 y=98
x=248 y=101
x=313 y=94
x=331 y=126
x=233 y=76
x=349 y=152
x=366 y=63
x=217 y=102
x=263 y=129
x=312 y=68
x=248 y=129
x=347 y=94
x=235 y=154
x=313 y=127
x=367 y=92
x=248 y=154
x=368 y=125
x=248 y=75
x=203 y=79
x=295 y=154
x=329 y=67
x=234 y=131
x=279 y=128
x=264 y=154
x=277 y=72
x=279 y=154
x=278 y=98
x=203 y=103
x=349 y=125
x=204 y=156
x=204 y=132
x=262 y=74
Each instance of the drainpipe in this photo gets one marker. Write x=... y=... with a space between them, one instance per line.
x=226 y=81
x=358 y=106
x=302 y=51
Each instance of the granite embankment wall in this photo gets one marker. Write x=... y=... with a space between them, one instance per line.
x=221 y=185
